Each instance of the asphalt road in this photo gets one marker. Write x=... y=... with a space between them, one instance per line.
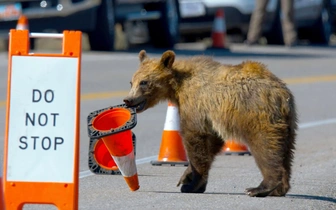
x=310 y=73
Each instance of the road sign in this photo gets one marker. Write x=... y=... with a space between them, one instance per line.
x=42 y=123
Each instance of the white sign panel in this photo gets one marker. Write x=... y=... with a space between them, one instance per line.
x=192 y=9
x=42 y=120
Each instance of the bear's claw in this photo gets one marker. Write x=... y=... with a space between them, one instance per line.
x=185 y=179
x=259 y=191
x=256 y=192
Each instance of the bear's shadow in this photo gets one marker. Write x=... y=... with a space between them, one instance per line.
x=312 y=197
x=290 y=196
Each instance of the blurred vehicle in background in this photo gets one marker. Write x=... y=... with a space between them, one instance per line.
x=315 y=19
x=165 y=20
x=197 y=16
x=333 y=16
x=97 y=18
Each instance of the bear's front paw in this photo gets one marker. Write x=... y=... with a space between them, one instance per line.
x=263 y=190
x=258 y=192
x=189 y=188
x=185 y=179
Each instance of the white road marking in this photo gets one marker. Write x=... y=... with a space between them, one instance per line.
x=87 y=173
x=317 y=123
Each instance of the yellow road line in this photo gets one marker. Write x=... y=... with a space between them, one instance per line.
x=306 y=80
x=102 y=95
x=114 y=94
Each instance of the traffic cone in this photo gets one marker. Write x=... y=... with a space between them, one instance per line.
x=22 y=23
x=100 y=160
x=233 y=147
x=171 y=149
x=219 y=31
x=2 y=200
x=119 y=144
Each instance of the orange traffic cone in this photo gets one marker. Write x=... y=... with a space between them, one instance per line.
x=22 y=23
x=100 y=160
x=171 y=149
x=219 y=31
x=119 y=144
x=2 y=200
x=232 y=147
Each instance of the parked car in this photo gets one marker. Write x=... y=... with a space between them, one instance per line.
x=199 y=22
x=95 y=17
x=315 y=19
x=333 y=16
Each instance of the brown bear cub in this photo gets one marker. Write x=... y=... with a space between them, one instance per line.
x=216 y=102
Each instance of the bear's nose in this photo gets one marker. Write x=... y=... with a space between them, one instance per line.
x=128 y=102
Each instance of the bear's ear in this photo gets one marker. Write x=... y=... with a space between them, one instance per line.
x=167 y=59
x=142 y=55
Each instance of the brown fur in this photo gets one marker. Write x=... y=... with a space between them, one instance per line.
x=216 y=102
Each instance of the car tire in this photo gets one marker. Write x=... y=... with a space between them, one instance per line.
x=164 y=32
x=102 y=38
x=320 y=32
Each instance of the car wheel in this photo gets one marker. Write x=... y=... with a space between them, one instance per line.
x=320 y=33
x=164 y=32
x=102 y=38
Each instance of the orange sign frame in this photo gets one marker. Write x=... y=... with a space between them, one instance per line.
x=62 y=195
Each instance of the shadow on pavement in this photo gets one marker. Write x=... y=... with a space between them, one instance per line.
x=312 y=197
x=293 y=196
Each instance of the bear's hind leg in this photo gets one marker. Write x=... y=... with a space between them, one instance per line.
x=201 y=152
x=284 y=187
x=270 y=164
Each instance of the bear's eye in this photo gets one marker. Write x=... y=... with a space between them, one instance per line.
x=143 y=83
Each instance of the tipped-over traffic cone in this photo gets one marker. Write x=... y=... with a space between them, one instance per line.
x=2 y=200
x=113 y=126
x=232 y=147
x=100 y=160
x=219 y=30
x=171 y=149
x=22 y=23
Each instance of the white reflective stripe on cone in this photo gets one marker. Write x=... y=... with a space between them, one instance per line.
x=21 y=27
x=126 y=164
x=219 y=25
x=172 y=122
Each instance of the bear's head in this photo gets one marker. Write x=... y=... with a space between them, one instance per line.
x=151 y=82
